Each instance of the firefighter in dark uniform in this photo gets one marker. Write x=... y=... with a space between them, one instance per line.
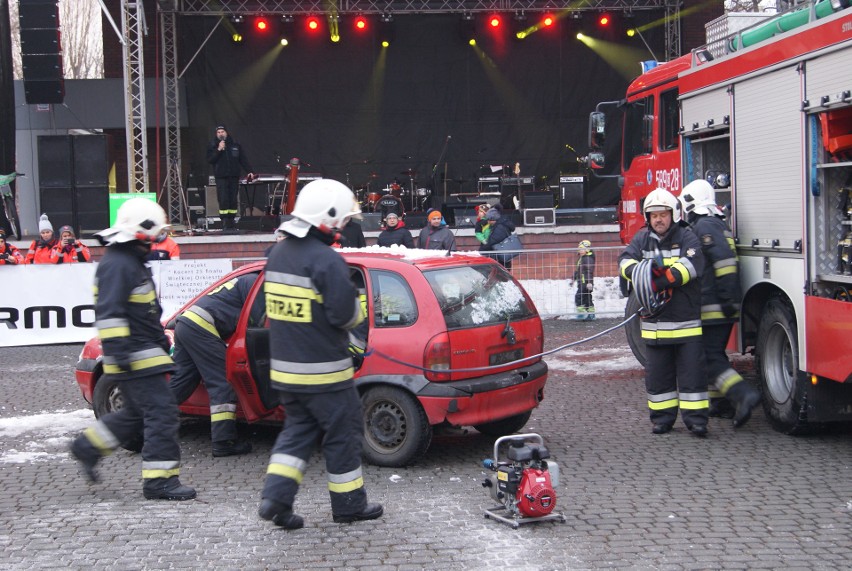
x=135 y=355
x=665 y=259
x=584 y=275
x=201 y=343
x=227 y=157
x=312 y=305
x=720 y=303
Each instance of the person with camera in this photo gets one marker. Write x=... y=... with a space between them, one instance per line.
x=8 y=253
x=227 y=157
x=71 y=250
x=44 y=249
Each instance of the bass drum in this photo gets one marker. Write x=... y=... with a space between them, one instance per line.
x=390 y=203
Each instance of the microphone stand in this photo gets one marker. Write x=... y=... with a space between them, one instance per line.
x=435 y=168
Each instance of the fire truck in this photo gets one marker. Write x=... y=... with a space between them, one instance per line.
x=764 y=114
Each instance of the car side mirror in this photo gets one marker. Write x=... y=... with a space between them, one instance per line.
x=597 y=130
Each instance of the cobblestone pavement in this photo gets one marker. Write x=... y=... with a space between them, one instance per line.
x=746 y=499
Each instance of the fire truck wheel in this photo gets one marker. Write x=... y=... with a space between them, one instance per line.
x=396 y=428
x=633 y=330
x=777 y=365
x=107 y=398
x=504 y=426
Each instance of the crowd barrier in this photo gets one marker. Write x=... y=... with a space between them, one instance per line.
x=46 y=304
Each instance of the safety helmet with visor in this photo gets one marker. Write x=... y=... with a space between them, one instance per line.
x=139 y=219
x=325 y=204
x=658 y=200
x=698 y=197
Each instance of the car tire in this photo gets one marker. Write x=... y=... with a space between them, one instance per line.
x=776 y=361
x=107 y=398
x=505 y=426
x=396 y=428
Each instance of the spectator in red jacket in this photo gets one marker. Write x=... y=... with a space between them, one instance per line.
x=164 y=248
x=71 y=250
x=8 y=253
x=44 y=250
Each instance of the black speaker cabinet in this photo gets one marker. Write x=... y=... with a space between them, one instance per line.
x=371 y=221
x=463 y=215
x=537 y=200
x=539 y=216
x=415 y=220
x=58 y=203
x=55 y=160
x=91 y=160
x=38 y=14
x=571 y=191
x=41 y=52
x=92 y=207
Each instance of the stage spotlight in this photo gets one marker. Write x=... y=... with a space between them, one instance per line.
x=360 y=24
x=604 y=20
x=494 y=21
x=467 y=28
x=261 y=24
x=312 y=24
x=519 y=25
x=287 y=30
x=236 y=28
x=631 y=32
x=385 y=32
x=333 y=28
x=548 y=20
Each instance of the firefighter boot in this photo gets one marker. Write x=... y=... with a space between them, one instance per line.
x=581 y=313
x=370 y=511
x=167 y=489
x=746 y=398
x=720 y=407
x=280 y=515
x=87 y=456
x=231 y=448
x=661 y=428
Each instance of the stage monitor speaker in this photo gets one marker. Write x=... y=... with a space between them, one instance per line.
x=539 y=216
x=463 y=215
x=571 y=191
x=415 y=220
x=91 y=160
x=537 y=200
x=257 y=223
x=55 y=160
x=371 y=221
x=41 y=52
x=211 y=201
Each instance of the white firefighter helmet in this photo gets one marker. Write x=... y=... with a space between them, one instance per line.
x=323 y=204
x=137 y=219
x=699 y=197
x=661 y=199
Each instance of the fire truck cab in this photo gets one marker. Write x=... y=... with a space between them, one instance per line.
x=765 y=115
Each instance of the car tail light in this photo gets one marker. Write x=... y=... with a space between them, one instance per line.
x=436 y=356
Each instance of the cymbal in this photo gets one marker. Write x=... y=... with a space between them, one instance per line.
x=409 y=172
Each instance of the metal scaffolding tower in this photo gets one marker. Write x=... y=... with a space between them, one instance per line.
x=172 y=186
x=133 y=30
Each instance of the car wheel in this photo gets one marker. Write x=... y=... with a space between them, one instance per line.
x=396 y=429
x=107 y=398
x=777 y=364
x=504 y=426
x=633 y=330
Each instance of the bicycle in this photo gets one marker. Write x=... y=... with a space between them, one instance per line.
x=11 y=223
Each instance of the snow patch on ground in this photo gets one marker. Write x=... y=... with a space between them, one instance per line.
x=50 y=433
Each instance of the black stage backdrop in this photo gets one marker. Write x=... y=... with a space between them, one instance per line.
x=429 y=102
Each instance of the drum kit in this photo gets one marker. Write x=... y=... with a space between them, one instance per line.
x=395 y=196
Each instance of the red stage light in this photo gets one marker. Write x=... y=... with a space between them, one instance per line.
x=313 y=23
x=261 y=25
x=603 y=20
x=361 y=23
x=548 y=20
x=494 y=22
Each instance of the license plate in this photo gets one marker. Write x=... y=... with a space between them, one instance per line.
x=505 y=357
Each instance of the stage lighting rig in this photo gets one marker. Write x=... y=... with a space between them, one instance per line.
x=520 y=28
x=385 y=32
x=467 y=28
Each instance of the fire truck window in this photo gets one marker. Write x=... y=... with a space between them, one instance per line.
x=668 y=120
x=634 y=121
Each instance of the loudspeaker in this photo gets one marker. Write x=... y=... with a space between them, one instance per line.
x=91 y=160
x=195 y=203
x=371 y=221
x=92 y=209
x=539 y=216
x=571 y=191
x=463 y=215
x=58 y=203
x=258 y=223
x=41 y=52
x=55 y=160
x=537 y=200
x=415 y=220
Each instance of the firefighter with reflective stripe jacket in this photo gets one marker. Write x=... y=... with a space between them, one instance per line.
x=667 y=284
x=201 y=335
x=720 y=303
x=135 y=357
x=312 y=305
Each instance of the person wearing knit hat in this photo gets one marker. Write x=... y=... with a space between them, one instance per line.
x=584 y=275
x=227 y=158
x=436 y=235
x=44 y=249
x=502 y=228
x=395 y=233
x=71 y=250
x=8 y=253
x=481 y=229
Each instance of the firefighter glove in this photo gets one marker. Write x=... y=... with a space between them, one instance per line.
x=660 y=283
x=729 y=309
x=123 y=362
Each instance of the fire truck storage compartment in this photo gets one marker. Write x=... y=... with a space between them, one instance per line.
x=706 y=111
x=768 y=174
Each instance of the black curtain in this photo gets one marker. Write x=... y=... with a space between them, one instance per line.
x=353 y=110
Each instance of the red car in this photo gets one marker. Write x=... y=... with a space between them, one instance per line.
x=444 y=335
